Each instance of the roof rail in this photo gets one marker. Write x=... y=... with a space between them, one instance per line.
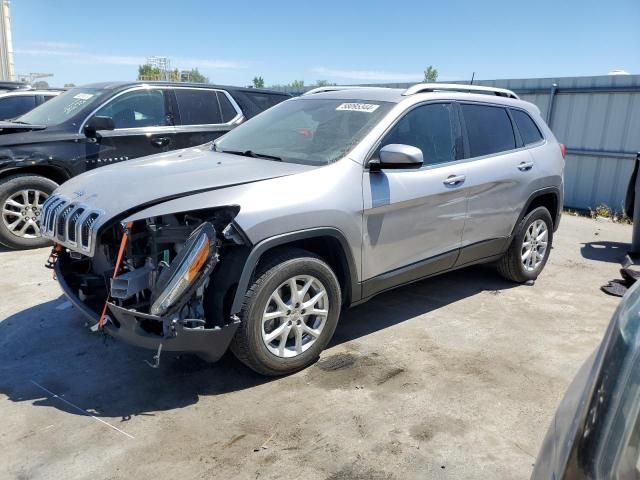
x=332 y=88
x=458 y=87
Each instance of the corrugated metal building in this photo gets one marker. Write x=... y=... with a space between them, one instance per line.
x=598 y=119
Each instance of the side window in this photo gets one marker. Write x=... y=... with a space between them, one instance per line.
x=489 y=129
x=140 y=108
x=228 y=112
x=11 y=107
x=198 y=107
x=431 y=128
x=527 y=127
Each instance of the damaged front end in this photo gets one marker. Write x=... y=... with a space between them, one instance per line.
x=167 y=281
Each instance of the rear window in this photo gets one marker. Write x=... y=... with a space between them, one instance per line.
x=253 y=103
x=489 y=129
x=198 y=107
x=527 y=127
x=228 y=112
x=11 y=107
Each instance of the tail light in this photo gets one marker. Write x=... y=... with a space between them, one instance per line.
x=563 y=150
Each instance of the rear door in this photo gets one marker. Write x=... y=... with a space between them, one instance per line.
x=143 y=126
x=413 y=219
x=500 y=170
x=204 y=114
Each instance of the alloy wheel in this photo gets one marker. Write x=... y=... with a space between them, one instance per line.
x=295 y=316
x=21 y=212
x=534 y=245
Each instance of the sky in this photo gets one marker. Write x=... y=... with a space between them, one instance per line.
x=346 y=42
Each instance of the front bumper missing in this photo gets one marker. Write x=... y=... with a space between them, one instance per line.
x=208 y=343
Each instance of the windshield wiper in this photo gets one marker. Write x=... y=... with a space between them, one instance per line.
x=252 y=154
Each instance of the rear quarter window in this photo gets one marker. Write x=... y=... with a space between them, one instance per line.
x=253 y=103
x=489 y=129
x=198 y=107
x=528 y=129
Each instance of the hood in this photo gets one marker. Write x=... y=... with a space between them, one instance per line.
x=135 y=184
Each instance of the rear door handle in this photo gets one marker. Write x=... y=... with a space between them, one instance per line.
x=453 y=180
x=161 y=142
x=524 y=166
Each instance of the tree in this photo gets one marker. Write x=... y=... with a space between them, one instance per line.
x=297 y=84
x=147 y=72
x=195 y=76
x=430 y=74
x=41 y=85
x=258 y=82
x=69 y=85
x=322 y=83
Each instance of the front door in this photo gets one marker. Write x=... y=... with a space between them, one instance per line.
x=143 y=126
x=414 y=219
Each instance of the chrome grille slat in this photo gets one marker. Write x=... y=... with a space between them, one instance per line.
x=70 y=224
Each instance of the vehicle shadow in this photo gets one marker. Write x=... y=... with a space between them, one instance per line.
x=604 y=251
x=47 y=346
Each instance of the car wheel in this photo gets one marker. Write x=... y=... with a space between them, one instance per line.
x=530 y=248
x=289 y=313
x=21 y=199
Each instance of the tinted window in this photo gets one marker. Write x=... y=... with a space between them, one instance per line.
x=431 y=128
x=527 y=127
x=198 y=107
x=11 y=107
x=253 y=103
x=228 y=112
x=140 y=108
x=488 y=128
x=265 y=100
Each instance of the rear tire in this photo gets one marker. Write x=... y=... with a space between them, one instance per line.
x=282 y=332
x=21 y=198
x=530 y=247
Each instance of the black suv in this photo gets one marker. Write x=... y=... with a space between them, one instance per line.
x=101 y=124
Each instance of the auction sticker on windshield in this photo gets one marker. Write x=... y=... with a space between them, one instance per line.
x=358 y=107
x=83 y=96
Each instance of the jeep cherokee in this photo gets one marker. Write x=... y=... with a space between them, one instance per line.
x=259 y=239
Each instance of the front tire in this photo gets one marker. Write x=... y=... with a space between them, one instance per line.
x=289 y=314
x=21 y=199
x=530 y=247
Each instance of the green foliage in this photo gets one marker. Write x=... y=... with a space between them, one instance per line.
x=258 y=82
x=147 y=72
x=297 y=84
x=430 y=74
x=195 y=76
x=323 y=83
x=40 y=85
x=69 y=85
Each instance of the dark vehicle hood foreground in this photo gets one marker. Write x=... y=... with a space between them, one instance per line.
x=132 y=185
x=595 y=432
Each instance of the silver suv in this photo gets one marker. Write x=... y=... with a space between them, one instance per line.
x=258 y=240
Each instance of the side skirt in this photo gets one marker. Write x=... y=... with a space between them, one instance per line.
x=481 y=252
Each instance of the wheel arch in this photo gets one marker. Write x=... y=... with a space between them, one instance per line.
x=55 y=174
x=328 y=243
x=549 y=198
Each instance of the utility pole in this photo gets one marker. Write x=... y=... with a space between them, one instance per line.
x=7 y=69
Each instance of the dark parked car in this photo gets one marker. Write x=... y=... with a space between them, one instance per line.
x=101 y=124
x=595 y=433
x=16 y=102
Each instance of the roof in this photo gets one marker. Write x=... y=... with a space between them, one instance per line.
x=123 y=85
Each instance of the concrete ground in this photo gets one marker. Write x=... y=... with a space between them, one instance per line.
x=453 y=377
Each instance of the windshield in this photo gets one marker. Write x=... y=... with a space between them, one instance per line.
x=61 y=108
x=310 y=131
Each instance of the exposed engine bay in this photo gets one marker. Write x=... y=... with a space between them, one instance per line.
x=156 y=275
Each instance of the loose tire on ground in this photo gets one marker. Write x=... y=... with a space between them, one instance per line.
x=10 y=200
x=512 y=265
x=274 y=275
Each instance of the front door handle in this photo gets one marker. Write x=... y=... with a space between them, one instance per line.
x=161 y=142
x=453 y=180
x=524 y=166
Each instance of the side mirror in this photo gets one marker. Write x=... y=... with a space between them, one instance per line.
x=397 y=156
x=95 y=124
